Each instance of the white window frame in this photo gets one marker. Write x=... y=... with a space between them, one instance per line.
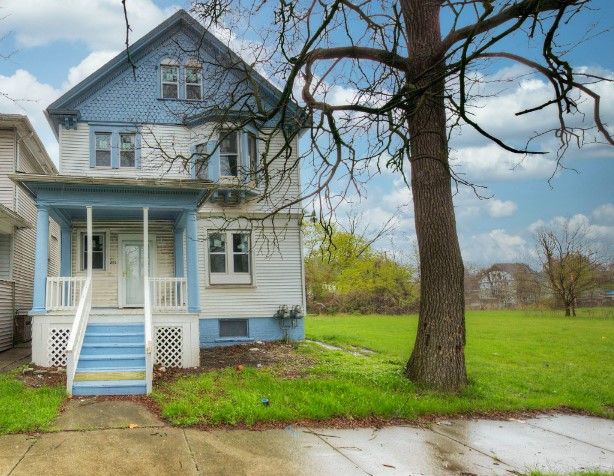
x=110 y=150
x=253 y=160
x=229 y=276
x=198 y=68
x=237 y=134
x=105 y=250
x=162 y=82
x=133 y=134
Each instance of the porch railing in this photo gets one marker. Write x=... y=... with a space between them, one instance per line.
x=169 y=294
x=63 y=292
x=77 y=333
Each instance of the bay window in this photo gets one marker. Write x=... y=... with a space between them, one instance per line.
x=229 y=154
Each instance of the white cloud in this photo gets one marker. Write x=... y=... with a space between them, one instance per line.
x=29 y=96
x=604 y=213
x=90 y=63
x=99 y=24
x=500 y=208
x=495 y=246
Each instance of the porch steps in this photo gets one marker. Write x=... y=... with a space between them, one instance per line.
x=112 y=361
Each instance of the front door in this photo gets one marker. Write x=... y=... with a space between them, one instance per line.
x=132 y=272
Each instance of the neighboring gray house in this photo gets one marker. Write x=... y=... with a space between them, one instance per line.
x=21 y=151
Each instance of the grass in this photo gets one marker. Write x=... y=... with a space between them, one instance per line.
x=516 y=360
x=23 y=408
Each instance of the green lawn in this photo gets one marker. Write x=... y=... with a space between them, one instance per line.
x=23 y=408
x=516 y=360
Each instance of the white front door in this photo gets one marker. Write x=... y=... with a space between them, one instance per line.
x=132 y=272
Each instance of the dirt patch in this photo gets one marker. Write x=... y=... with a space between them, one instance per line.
x=37 y=377
x=280 y=356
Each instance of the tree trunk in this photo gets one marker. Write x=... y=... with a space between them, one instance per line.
x=438 y=358
x=567 y=310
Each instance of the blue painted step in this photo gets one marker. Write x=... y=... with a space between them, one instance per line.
x=112 y=348
x=114 y=351
x=110 y=387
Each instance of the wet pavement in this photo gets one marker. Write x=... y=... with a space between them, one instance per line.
x=15 y=357
x=122 y=437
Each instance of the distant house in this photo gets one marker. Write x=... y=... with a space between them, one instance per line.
x=21 y=151
x=157 y=259
x=508 y=285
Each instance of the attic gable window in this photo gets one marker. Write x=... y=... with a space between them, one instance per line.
x=193 y=83
x=170 y=81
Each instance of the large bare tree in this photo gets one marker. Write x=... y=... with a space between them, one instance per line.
x=379 y=84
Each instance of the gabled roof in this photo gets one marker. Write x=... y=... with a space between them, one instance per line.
x=30 y=139
x=61 y=107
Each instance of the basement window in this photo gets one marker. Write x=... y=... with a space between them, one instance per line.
x=233 y=328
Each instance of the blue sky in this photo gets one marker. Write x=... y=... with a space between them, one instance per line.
x=56 y=44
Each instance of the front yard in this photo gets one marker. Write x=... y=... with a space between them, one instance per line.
x=516 y=361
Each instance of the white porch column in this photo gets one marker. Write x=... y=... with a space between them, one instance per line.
x=89 y=242
x=146 y=242
x=41 y=260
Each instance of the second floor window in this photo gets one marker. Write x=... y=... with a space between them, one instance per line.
x=229 y=154
x=127 y=156
x=193 y=83
x=170 y=81
x=200 y=162
x=103 y=149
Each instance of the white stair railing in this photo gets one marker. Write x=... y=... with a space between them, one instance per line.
x=63 y=292
x=149 y=350
x=77 y=333
x=169 y=294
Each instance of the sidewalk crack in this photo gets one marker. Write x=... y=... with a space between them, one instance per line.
x=321 y=437
x=23 y=456
x=187 y=442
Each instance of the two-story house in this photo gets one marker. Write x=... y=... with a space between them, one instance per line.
x=158 y=259
x=21 y=151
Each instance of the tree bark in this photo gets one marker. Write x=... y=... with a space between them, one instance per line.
x=438 y=357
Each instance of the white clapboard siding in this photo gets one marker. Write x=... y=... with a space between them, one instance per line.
x=105 y=290
x=6 y=315
x=277 y=279
x=7 y=166
x=5 y=256
x=160 y=144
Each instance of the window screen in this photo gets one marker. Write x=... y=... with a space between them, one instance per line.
x=233 y=328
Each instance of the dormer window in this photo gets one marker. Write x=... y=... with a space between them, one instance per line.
x=170 y=81
x=229 y=154
x=193 y=82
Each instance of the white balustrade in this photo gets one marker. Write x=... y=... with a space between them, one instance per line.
x=64 y=292
x=169 y=294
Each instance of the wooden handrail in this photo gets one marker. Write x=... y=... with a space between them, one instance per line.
x=77 y=333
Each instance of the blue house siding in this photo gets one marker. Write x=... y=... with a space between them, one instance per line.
x=259 y=328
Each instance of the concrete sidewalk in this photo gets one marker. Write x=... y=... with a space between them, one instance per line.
x=15 y=357
x=557 y=443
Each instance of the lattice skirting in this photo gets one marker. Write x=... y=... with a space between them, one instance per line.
x=169 y=346
x=56 y=346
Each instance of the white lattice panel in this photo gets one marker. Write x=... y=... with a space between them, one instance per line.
x=56 y=346
x=169 y=346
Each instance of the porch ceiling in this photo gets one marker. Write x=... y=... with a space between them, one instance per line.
x=136 y=214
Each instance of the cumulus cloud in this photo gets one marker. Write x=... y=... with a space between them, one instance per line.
x=30 y=96
x=604 y=213
x=99 y=24
x=495 y=246
x=501 y=208
x=90 y=63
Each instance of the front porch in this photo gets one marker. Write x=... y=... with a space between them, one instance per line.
x=128 y=293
